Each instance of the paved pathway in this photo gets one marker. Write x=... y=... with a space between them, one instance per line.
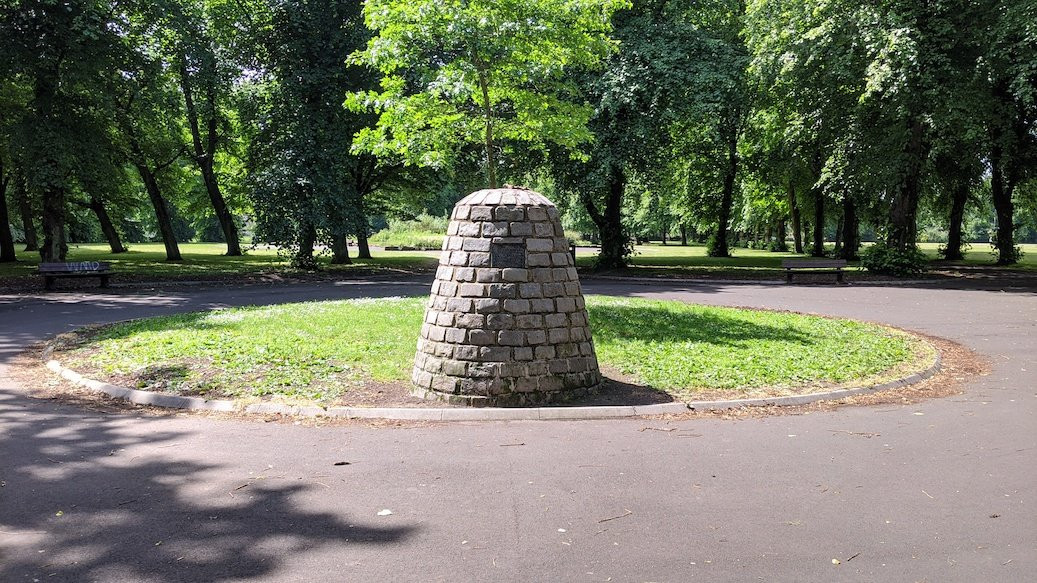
x=946 y=490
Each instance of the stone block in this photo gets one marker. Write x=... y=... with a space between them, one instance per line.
x=444 y=384
x=487 y=275
x=523 y=353
x=536 y=260
x=561 y=274
x=463 y=274
x=495 y=353
x=501 y=290
x=525 y=321
x=466 y=352
x=540 y=245
x=511 y=338
x=558 y=366
x=553 y=290
x=495 y=229
x=545 y=352
x=543 y=275
x=487 y=306
x=535 y=213
x=470 y=321
x=522 y=229
x=549 y=384
x=515 y=275
x=503 y=213
x=458 y=258
x=543 y=230
x=481 y=213
x=542 y=306
x=481 y=337
x=561 y=259
x=452 y=229
x=516 y=306
x=558 y=335
x=436 y=333
x=561 y=304
x=534 y=337
x=499 y=321
x=461 y=305
x=472 y=290
x=555 y=320
x=445 y=319
x=478 y=259
x=530 y=290
x=482 y=245
x=469 y=230
x=484 y=370
x=456 y=335
x=453 y=243
x=461 y=212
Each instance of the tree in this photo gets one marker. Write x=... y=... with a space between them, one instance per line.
x=479 y=72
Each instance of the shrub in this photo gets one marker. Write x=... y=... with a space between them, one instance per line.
x=423 y=232
x=881 y=258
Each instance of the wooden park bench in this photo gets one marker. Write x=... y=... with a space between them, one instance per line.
x=814 y=266
x=52 y=271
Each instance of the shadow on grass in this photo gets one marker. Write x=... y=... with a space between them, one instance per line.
x=92 y=497
x=617 y=324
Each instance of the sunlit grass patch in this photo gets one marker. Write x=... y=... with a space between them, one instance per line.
x=317 y=351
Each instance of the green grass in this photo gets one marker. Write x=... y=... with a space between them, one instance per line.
x=201 y=259
x=317 y=351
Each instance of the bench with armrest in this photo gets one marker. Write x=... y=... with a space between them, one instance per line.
x=814 y=266
x=52 y=271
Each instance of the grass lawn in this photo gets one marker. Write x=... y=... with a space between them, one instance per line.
x=202 y=259
x=319 y=351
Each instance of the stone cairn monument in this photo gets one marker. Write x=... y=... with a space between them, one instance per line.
x=506 y=322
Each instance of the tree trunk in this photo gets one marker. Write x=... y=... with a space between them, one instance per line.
x=903 y=232
x=719 y=248
x=55 y=247
x=684 y=235
x=783 y=234
x=340 y=250
x=363 y=248
x=491 y=163
x=32 y=242
x=610 y=223
x=1004 y=210
x=818 y=249
x=850 y=231
x=960 y=197
x=304 y=255
x=806 y=236
x=162 y=215
x=109 y=230
x=797 y=231
x=7 y=250
x=203 y=156
x=837 y=251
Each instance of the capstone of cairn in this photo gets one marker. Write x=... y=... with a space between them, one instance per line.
x=506 y=323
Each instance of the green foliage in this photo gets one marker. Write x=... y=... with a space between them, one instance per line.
x=423 y=232
x=888 y=260
x=478 y=72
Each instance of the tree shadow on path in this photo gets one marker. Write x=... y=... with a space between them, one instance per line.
x=90 y=497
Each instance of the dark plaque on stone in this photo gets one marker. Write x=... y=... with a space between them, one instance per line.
x=504 y=255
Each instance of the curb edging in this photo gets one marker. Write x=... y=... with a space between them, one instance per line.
x=471 y=414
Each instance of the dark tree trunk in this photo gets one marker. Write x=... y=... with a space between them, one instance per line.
x=960 y=197
x=363 y=248
x=838 y=249
x=1004 y=210
x=903 y=232
x=109 y=230
x=162 y=214
x=32 y=242
x=818 y=249
x=783 y=234
x=720 y=246
x=850 y=228
x=55 y=247
x=684 y=235
x=304 y=255
x=340 y=250
x=204 y=154
x=806 y=235
x=7 y=250
x=797 y=230
x=610 y=223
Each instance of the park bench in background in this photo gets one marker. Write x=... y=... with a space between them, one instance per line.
x=814 y=266
x=52 y=271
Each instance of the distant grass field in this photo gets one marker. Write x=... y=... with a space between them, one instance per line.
x=207 y=259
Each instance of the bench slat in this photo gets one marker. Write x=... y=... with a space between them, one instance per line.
x=813 y=263
x=75 y=267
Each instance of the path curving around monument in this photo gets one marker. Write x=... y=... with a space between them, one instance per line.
x=945 y=489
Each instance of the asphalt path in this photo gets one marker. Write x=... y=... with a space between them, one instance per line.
x=943 y=490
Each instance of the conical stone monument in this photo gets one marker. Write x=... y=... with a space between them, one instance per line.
x=506 y=322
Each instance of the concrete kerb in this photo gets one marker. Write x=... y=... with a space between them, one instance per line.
x=468 y=414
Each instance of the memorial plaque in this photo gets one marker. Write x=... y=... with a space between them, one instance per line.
x=505 y=255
